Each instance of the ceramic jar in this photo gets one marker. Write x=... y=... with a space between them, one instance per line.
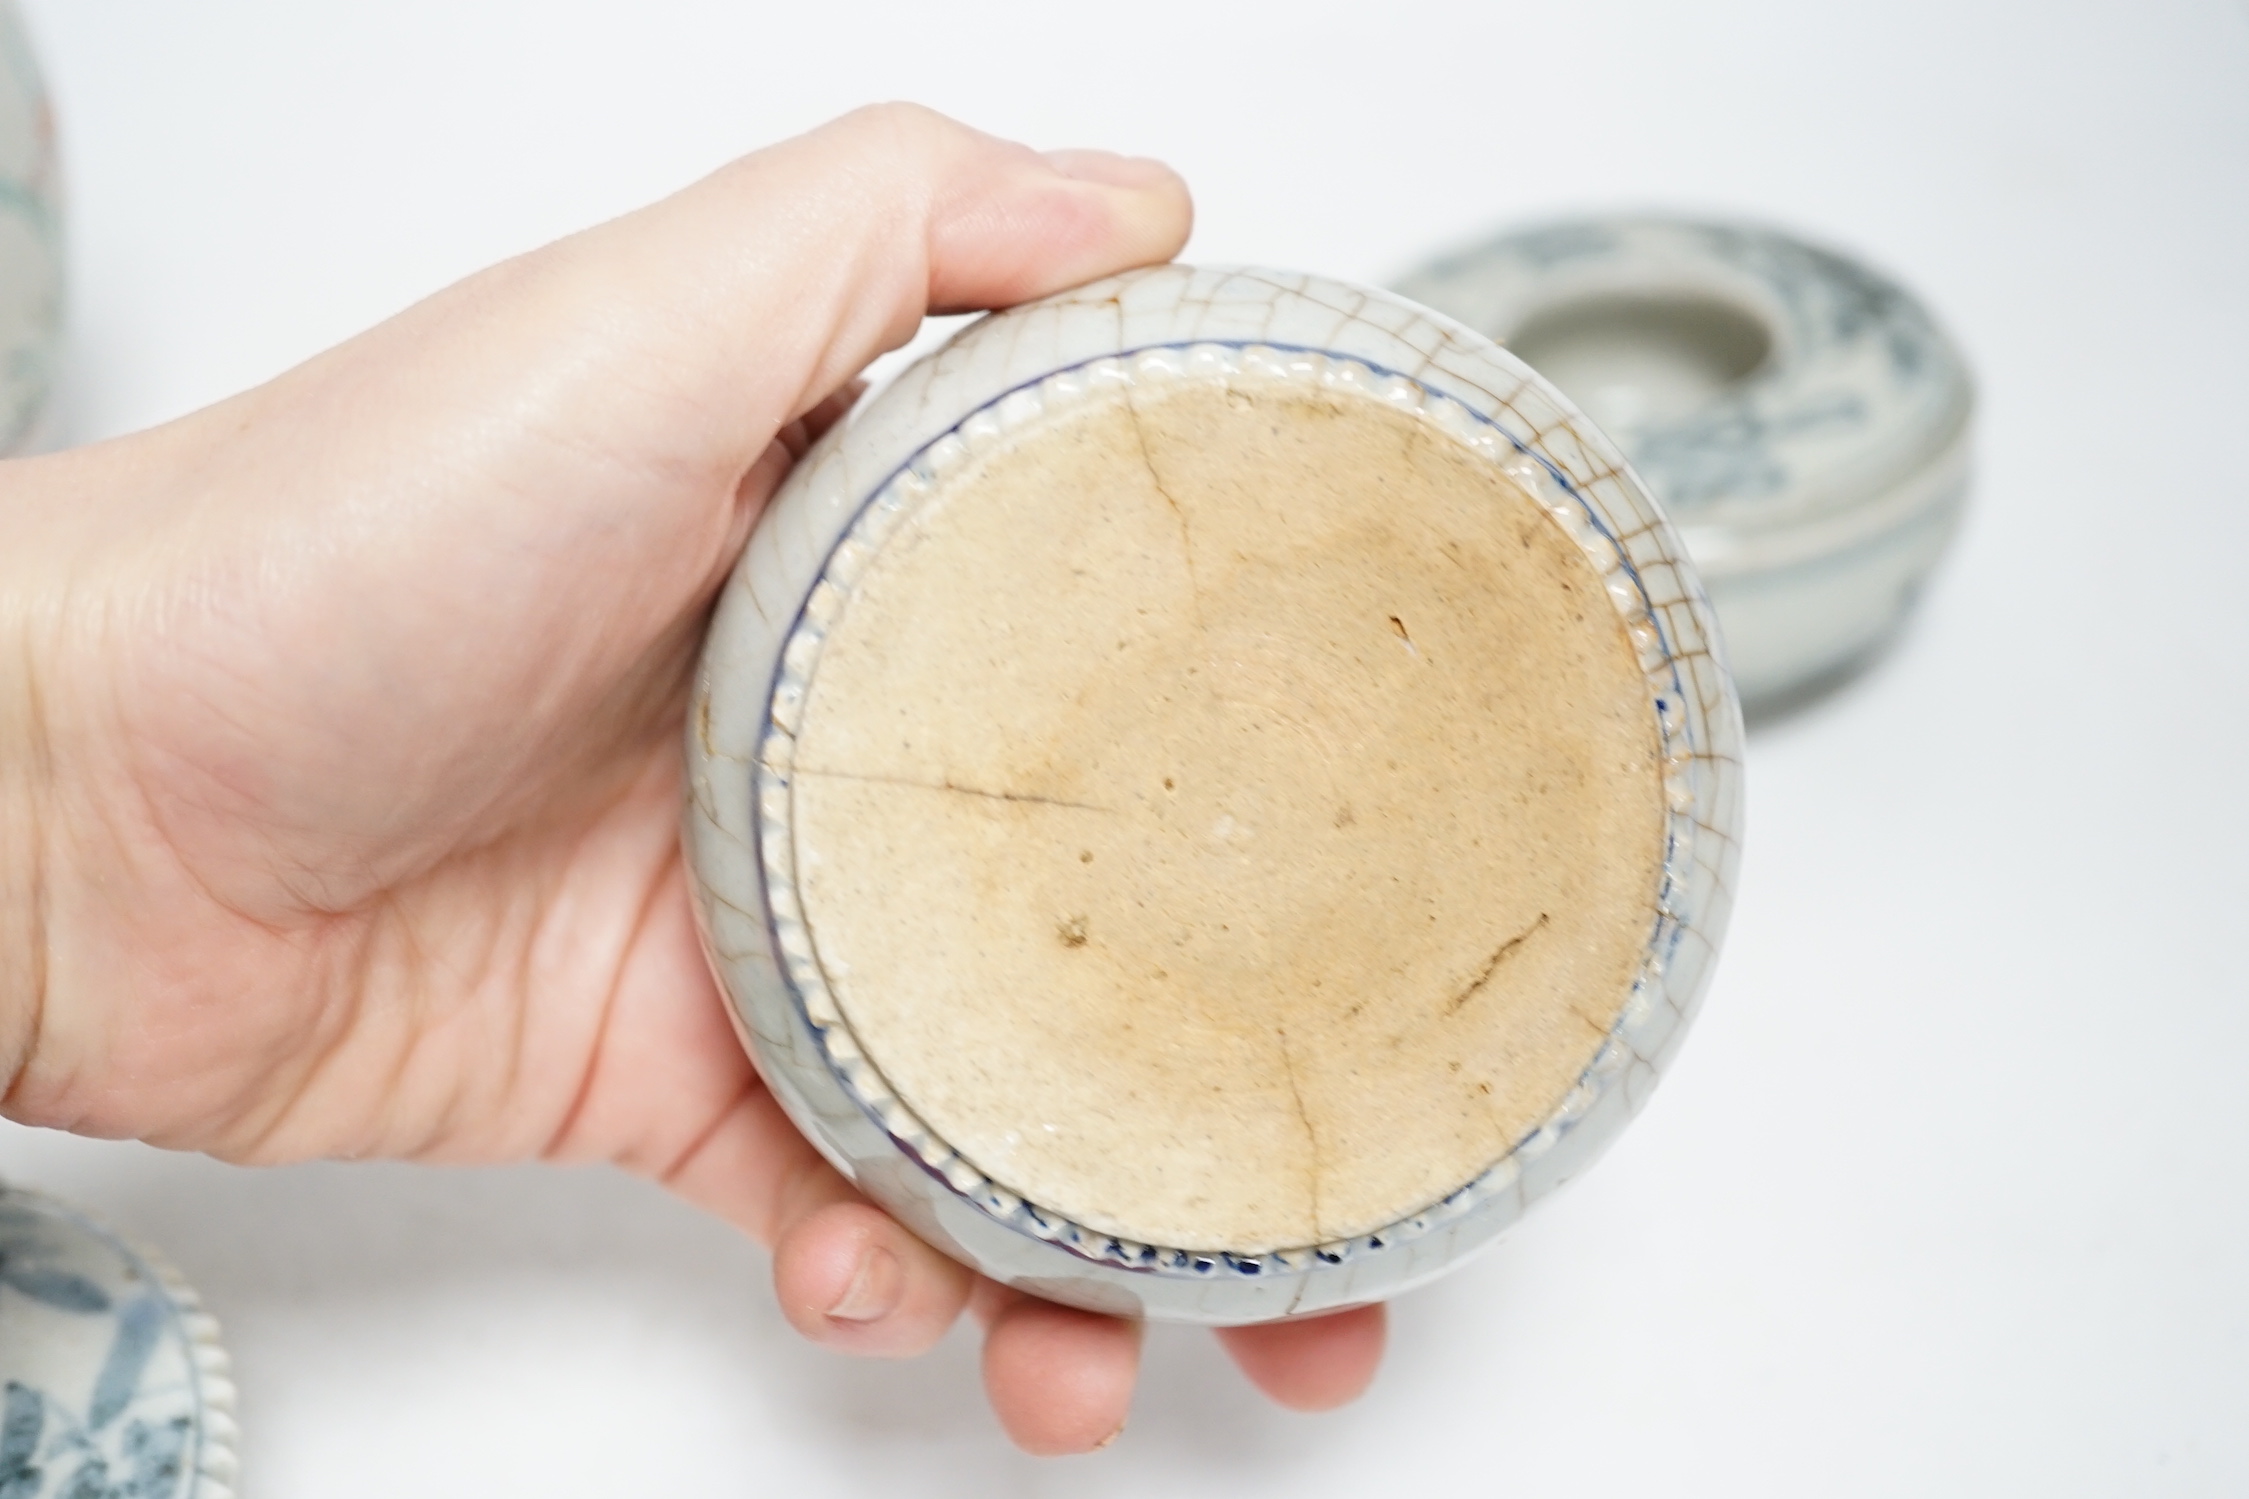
x=1802 y=416
x=926 y=915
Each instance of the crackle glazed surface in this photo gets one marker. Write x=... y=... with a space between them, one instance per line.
x=1212 y=794
x=1816 y=481
x=1245 y=764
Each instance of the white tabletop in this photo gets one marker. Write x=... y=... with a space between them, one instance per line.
x=1949 y=1193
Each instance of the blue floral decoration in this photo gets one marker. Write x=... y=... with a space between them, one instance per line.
x=112 y=1385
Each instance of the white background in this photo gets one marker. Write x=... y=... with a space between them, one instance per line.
x=1947 y=1194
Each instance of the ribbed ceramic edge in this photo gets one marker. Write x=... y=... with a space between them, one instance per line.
x=217 y=1465
x=765 y=607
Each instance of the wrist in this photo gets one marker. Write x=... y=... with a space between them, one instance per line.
x=26 y=790
x=60 y=518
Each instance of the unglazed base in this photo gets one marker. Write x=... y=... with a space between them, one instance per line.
x=1230 y=813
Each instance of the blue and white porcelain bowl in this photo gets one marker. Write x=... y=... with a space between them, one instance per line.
x=942 y=821
x=30 y=243
x=1802 y=416
x=112 y=1381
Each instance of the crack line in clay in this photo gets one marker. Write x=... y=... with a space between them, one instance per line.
x=1554 y=491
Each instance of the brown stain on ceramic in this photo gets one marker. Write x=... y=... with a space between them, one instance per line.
x=1229 y=814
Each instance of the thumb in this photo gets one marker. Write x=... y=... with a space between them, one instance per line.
x=543 y=474
x=799 y=264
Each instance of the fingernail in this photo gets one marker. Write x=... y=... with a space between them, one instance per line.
x=1110 y=1439
x=875 y=1288
x=1108 y=168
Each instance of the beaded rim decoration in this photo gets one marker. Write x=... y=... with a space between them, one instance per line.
x=1006 y=417
x=217 y=1464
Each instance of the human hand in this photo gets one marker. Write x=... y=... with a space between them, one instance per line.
x=340 y=726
